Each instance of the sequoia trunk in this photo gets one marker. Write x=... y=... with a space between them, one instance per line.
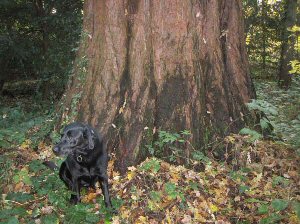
x=161 y=65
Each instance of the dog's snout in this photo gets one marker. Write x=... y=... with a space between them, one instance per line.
x=56 y=149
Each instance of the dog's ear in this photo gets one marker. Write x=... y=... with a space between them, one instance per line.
x=90 y=135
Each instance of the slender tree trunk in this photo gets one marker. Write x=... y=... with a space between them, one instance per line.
x=40 y=11
x=161 y=65
x=288 y=43
x=264 y=36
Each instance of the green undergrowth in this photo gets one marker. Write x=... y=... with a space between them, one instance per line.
x=32 y=193
x=284 y=112
x=24 y=119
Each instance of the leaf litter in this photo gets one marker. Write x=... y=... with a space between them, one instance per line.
x=258 y=183
x=263 y=186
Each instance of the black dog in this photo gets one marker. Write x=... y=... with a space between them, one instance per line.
x=86 y=161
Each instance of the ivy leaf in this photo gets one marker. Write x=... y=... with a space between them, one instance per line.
x=273 y=218
x=12 y=220
x=296 y=206
x=50 y=219
x=243 y=189
x=263 y=209
x=279 y=204
x=254 y=134
x=170 y=189
x=264 y=123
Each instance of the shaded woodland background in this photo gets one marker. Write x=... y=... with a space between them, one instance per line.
x=41 y=45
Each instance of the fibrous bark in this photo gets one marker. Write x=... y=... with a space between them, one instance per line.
x=163 y=65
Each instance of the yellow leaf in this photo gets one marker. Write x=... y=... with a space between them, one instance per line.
x=231 y=139
x=125 y=212
x=294 y=219
x=134 y=197
x=130 y=175
x=168 y=218
x=26 y=144
x=142 y=219
x=199 y=217
x=19 y=186
x=214 y=208
x=89 y=197
x=175 y=177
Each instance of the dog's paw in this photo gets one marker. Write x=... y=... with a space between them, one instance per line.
x=74 y=200
x=112 y=210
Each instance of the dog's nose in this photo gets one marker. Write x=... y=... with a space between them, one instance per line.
x=56 y=149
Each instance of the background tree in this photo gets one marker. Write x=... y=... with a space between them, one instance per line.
x=38 y=39
x=161 y=65
x=288 y=44
x=263 y=37
x=269 y=38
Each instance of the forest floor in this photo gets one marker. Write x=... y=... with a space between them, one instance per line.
x=261 y=187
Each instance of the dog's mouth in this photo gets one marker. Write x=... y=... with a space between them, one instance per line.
x=62 y=152
x=65 y=152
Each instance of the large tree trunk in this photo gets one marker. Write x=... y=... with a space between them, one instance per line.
x=288 y=44
x=161 y=65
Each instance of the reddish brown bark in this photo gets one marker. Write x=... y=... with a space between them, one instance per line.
x=170 y=65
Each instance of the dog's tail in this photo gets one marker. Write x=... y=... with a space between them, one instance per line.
x=51 y=165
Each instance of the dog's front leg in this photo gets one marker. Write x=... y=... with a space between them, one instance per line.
x=104 y=187
x=76 y=188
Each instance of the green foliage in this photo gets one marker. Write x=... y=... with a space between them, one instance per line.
x=23 y=176
x=44 y=183
x=171 y=190
x=155 y=196
x=254 y=134
x=39 y=40
x=263 y=106
x=263 y=23
x=263 y=209
x=25 y=122
x=243 y=189
x=170 y=141
x=50 y=219
x=9 y=215
x=278 y=180
x=296 y=206
x=19 y=197
x=80 y=214
x=199 y=156
x=152 y=165
x=273 y=218
x=279 y=204
x=285 y=104
x=262 y=109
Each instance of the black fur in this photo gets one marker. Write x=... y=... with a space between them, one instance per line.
x=86 y=161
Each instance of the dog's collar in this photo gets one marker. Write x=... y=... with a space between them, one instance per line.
x=79 y=158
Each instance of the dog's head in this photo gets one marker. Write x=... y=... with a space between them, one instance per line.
x=76 y=138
